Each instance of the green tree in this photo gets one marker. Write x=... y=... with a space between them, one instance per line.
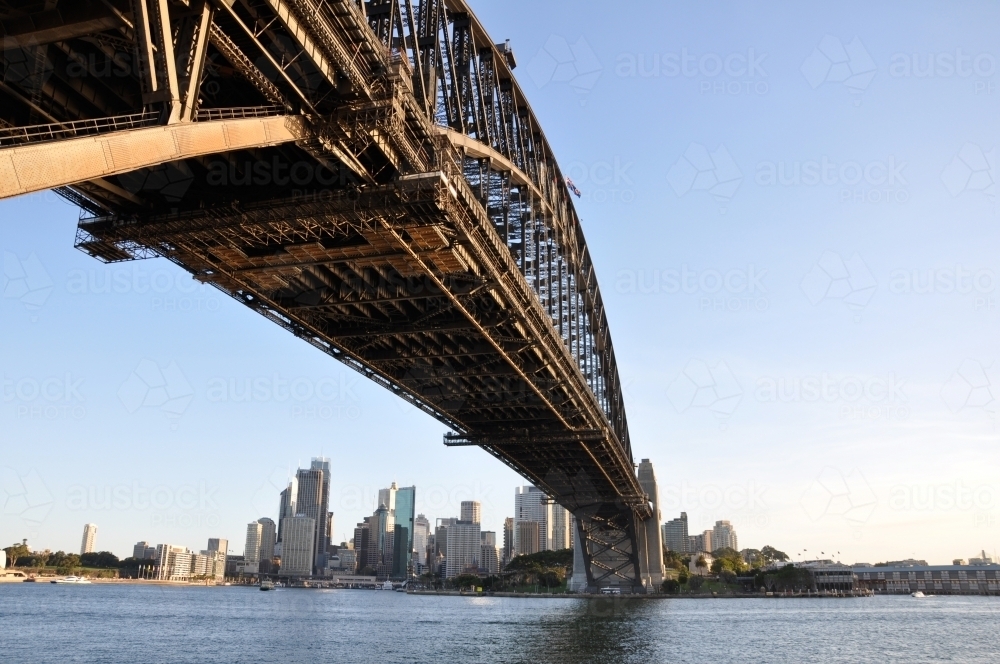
x=16 y=551
x=465 y=581
x=771 y=554
x=101 y=559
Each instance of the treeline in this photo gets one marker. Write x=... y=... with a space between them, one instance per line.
x=19 y=556
x=726 y=564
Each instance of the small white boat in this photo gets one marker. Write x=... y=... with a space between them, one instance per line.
x=71 y=579
x=266 y=584
x=917 y=594
x=384 y=586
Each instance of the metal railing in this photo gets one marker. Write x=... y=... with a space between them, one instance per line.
x=237 y=113
x=58 y=130
x=10 y=136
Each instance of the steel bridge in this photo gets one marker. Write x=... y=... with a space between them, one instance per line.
x=367 y=175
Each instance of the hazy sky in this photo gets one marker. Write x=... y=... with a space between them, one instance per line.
x=793 y=213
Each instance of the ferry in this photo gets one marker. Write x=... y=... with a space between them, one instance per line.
x=71 y=579
x=266 y=584
x=917 y=594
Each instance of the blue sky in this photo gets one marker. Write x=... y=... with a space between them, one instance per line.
x=814 y=358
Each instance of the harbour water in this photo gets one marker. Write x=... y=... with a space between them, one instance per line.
x=133 y=623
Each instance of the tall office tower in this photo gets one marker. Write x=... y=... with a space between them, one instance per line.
x=559 y=537
x=251 y=549
x=141 y=549
x=441 y=535
x=471 y=511
x=675 y=534
x=286 y=506
x=527 y=535
x=723 y=536
x=464 y=548
x=382 y=538
x=219 y=544
x=361 y=544
x=488 y=537
x=268 y=538
x=508 y=540
x=312 y=500
x=298 y=548
x=329 y=530
x=489 y=559
x=387 y=497
x=421 y=532
x=531 y=504
x=89 y=536
x=403 y=516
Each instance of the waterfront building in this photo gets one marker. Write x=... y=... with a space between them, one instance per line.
x=298 y=548
x=201 y=566
x=531 y=504
x=724 y=536
x=382 y=532
x=268 y=539
x=441 y=535
x=89 y=538
x=464 y=548
x=251 y=549
x=361 y=544
x=404 y=531
x=286 y=504
x=982 y=559
x=701 y=570
x=234 y=564
x=471 y=511
x=527 y=537
x=312 y=500
x=980 y=579
x=143 y=551
x=173 y=563
x=421 y=534
x=675 y=534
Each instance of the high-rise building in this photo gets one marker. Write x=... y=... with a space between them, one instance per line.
x=464 y=548
x=251 y=549
x=173 y=563
x=89 y=537
x=700 y=543
x=421 y=532
x=489 y=558
x=404 y=531
x=526 y=534
x=312 y=499
x=218 y=544
x=361 y=544
x=382 y=534
x=298 y=548
x=143 y=551
x=286 y=506
x=675 y=534
x=268 y=538
x=441 y=535
x=531 y=504
x=387 y=497
x=508 y=540
x=724 y=537
x=560 y=533
x=471 y=511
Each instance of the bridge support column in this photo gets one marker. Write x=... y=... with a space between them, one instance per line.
x=650 y=535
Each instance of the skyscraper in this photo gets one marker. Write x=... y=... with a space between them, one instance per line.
x=526 y=534
x=403 y=516
x=298 y=548
x=560 y=531
x=471 y=511
x=143 y=551
x=312 y=500
x=89 y=537
x=381 y=542
x=489 y=557
x=421 y=532
x=464 y=548
x=218 y=544
x=251 y=549
x=286 y=506
x=723 y=536
x=268 y=533
x=675 y=534
x=531 y=504
x=508 y=540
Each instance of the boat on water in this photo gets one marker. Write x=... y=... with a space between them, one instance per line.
x=71 y=579
x=917 y=594
x=384 y=586
x=266 y=585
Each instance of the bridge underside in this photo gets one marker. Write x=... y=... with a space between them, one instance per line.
x=398 y=208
